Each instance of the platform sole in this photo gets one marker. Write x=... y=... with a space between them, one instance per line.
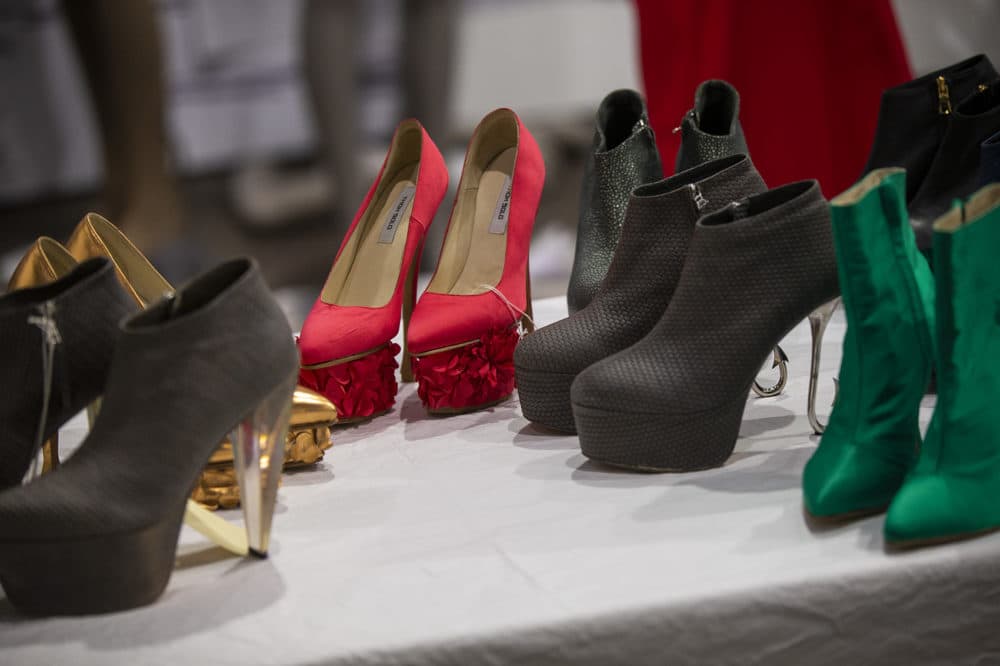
x=659 y=442
x=545 y=398
x=89 y=575
x=359 y=386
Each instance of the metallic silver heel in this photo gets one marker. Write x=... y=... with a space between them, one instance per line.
x=781 y=363
x=259 y=452
x=818 y=320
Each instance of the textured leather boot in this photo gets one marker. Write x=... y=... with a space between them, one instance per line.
x=623 y=157
x=640 y=283
x=674 y=400
x=914 y=116
x=99 y=533
x=712 y=128
x=873 y=435
x=56 y=343
x=954 y=173
x=952 y=492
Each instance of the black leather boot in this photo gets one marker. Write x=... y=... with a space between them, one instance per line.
x=674 y=400
x=712 y=128
x=56 y=343
x=99 y=533
x=914 y=116
x=954 y=173
x=623 y=157
x=989 y=161
x=658 y=226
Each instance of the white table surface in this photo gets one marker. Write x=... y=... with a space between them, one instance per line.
x=479 y=539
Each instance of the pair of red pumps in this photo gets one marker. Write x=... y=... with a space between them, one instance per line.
x=459 y=339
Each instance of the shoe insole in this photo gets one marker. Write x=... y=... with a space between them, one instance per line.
x=370 y=278
x=488 y=205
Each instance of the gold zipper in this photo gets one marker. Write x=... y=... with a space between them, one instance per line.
x=944 y=98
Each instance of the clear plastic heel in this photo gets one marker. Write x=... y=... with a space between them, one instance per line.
x=818 y=320
x=259 y=450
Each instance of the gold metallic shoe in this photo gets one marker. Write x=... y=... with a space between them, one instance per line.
x=312 y=414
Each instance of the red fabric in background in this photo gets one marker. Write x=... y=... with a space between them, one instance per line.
x=810 y=76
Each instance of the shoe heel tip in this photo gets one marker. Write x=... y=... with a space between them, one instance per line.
x=253 y=552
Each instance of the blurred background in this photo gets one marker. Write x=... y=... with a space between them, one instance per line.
x=213 y=128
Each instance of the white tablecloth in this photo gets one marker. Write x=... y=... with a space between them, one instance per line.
x=479 y=539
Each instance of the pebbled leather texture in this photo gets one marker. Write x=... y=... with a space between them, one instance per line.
x=954 y=173
x=712 y=128
x=87 y=305
x=639 y=285
x=614 y=167
x=674 y=400
x=910 y=127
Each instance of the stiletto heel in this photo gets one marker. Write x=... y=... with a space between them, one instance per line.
x=818 y=320
x=409 y=298
x=781 y=363
x=527 y=319
x=258 y=444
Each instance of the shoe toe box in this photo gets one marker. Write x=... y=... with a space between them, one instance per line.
x=936 y=507
x=841 y=479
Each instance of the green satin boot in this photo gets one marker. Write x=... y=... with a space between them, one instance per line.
x=873 y=436
x=954 y=491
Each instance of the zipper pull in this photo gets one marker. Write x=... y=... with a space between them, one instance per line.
x=699 y=199
x=740 y=209
x=639 y=125
x=944 y=96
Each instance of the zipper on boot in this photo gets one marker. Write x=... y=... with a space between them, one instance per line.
x=699 y=199
x=944 y=96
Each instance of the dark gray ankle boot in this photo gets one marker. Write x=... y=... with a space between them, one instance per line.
x=638 y=287
x=56 y=343
x=674 y=400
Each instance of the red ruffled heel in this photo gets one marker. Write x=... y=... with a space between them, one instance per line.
x=360 y=387
x=346 y=342
x=465 y=326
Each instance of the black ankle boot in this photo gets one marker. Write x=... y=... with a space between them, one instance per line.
x=954 y=173
x=914 y=116
x=639 y=285
x=56 y=341
x=623 y=157
x=674 y=400
x=989 y=161
x=99 y=533
x=712 y=128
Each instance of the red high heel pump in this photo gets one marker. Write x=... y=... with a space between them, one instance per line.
x=346 y=342
x=464 y=328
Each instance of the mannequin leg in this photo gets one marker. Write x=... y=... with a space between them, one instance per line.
x=119 y=47
x=331 y=36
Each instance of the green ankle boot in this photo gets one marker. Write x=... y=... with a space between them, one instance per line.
x=873 y=436
x=954 y=490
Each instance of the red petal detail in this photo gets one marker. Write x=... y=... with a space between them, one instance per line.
x=358 y=388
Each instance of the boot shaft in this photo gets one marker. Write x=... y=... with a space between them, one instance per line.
x=965 y=431
x=888 y=296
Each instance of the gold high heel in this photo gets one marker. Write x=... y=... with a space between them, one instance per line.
x=312 y=415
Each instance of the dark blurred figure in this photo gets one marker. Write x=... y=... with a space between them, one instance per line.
x=332 y=39
x=119 y=47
